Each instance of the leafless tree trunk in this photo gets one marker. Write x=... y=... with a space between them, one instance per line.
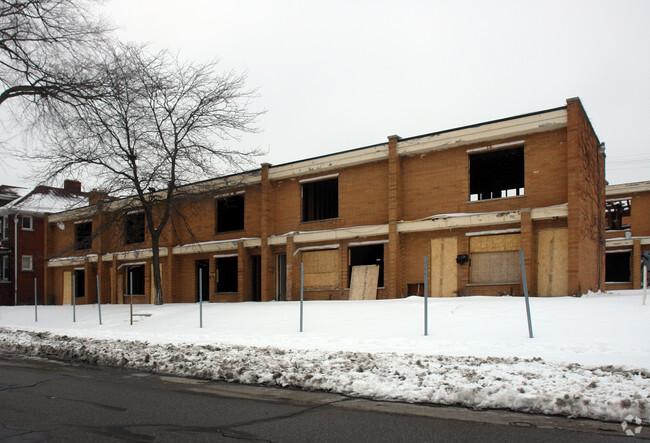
x=154 y=126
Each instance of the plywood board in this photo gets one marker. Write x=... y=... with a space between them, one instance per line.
x=495 y=267
x=552 y=262
x=444 y=269
x=494 y=243
x=363 y=282
x=67 y=288
x=321 y=269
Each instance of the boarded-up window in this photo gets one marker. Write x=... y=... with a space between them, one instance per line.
x=495 y=259
x=321 y=269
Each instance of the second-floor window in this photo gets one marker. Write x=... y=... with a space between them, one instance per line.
x=320 y=199
x=229 y=213
x=4 y=226
x=134 y=228
x=28 y=263
x=83 y=236
x=27 y=223
x=496 y=174
x=4 y=268
x=614 y=213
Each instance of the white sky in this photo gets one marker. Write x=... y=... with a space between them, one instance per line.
x=338 y=75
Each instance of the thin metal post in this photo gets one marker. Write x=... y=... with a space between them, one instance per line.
x=131 y=291
x=523 y=276
x=200 y=297
x=302 y=275
x=74 y=296
x=99 y=301
x=426 y=309
x=35 y=301
x=645 y=282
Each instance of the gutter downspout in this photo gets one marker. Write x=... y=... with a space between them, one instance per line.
x=16 y=259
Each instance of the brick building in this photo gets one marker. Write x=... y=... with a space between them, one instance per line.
x=467 y=198
x=22 y=251
x=628 y=234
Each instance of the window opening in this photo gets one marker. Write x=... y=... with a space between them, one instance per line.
x=320 y=200
x=496 y=174
x=134 y=230
x=28 y=263
x=256 y=277
x=27 y=223
x=617 y=267
x=4 y=269
x=367 y=255
x=227 y=274
x=4 y=226
x=79 y=283
x=135 y=277
x=83 y=236
x=230 y=213
x=614 y=213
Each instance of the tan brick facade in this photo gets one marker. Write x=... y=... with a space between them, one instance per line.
x=397 y=197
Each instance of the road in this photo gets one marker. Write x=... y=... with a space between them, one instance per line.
x=56 y=402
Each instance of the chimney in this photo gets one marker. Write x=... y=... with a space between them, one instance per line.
x=97 y=195
x=72 y=185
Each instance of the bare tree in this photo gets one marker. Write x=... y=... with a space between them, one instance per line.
x=47 y=48
x=153 y=128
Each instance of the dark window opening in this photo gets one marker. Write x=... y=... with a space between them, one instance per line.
x=83 y=236
x=614 y=213
x=227 y=274
x=617 y=267
x=496 y=174
x=320 y=200
x=367 y=255
x=134 y=230
x=256 y=277
x=230 y=213
x=79 y=283
x=135 y=280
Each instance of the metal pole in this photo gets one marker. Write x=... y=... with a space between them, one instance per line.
x=426 y=310
x=74 y=296
x=523 y=276
x=645 y=282
x=35 y=301
x=302 y=270
x=131 y=291
x=99 y=301
x=200 y=297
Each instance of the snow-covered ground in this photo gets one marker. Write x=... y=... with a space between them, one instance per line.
x=590 y=356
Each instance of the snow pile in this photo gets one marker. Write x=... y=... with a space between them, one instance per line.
x=589 y=357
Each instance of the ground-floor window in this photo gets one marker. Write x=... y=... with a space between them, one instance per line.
x=135 y=280
x=4 y=268
x=79 y=283
x=495 y=267
x=367 y=255
x=617 y=267
x=226 y=274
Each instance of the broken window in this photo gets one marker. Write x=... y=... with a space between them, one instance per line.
x=617 y=267
x=320 y=199
x=227 y=274
x=367 y=255
x=79 y=283
x=135 y=280
x=230 y=213
x=83 y=236
x=614 y=213
x=496 y=174
x=134 y=229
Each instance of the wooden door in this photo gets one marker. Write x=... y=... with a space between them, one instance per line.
x=444 y=269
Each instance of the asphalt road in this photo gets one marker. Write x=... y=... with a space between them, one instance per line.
x=57 y=402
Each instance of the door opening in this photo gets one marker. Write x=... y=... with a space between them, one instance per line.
x=256 y=277
x=281 y=277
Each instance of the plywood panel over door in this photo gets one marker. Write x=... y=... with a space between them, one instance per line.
x=444 y=280
x=67 y=288
x=552 y=262
x=363 y=283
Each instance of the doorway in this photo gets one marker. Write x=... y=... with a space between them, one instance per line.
x=202 y=280
x=256 y=277
x=281 y=277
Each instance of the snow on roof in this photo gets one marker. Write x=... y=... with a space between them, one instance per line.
x=9 y=192
x=45 y=199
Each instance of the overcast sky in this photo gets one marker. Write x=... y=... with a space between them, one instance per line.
x=337 y=75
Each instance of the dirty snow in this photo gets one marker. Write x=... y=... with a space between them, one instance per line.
x=590 y=356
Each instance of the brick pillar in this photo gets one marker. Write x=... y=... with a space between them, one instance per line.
x=343 y=270
x=574 y=175
x=114 y=289
x=393 y=277
x=168 y=280
x=243 y=284
x=530 y=251
x=637 y=272
x=266 y=254
x=89 y=283
x=293 y=270
x=212 y=282
x=100 y=270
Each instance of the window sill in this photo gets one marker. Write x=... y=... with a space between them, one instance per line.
x=496 y=199
x=28 y=230
x=320 y=220
x=234 y=231
x=26 y=270
x=6 y=282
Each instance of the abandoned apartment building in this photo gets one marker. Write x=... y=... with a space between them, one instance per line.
x=467 y=198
